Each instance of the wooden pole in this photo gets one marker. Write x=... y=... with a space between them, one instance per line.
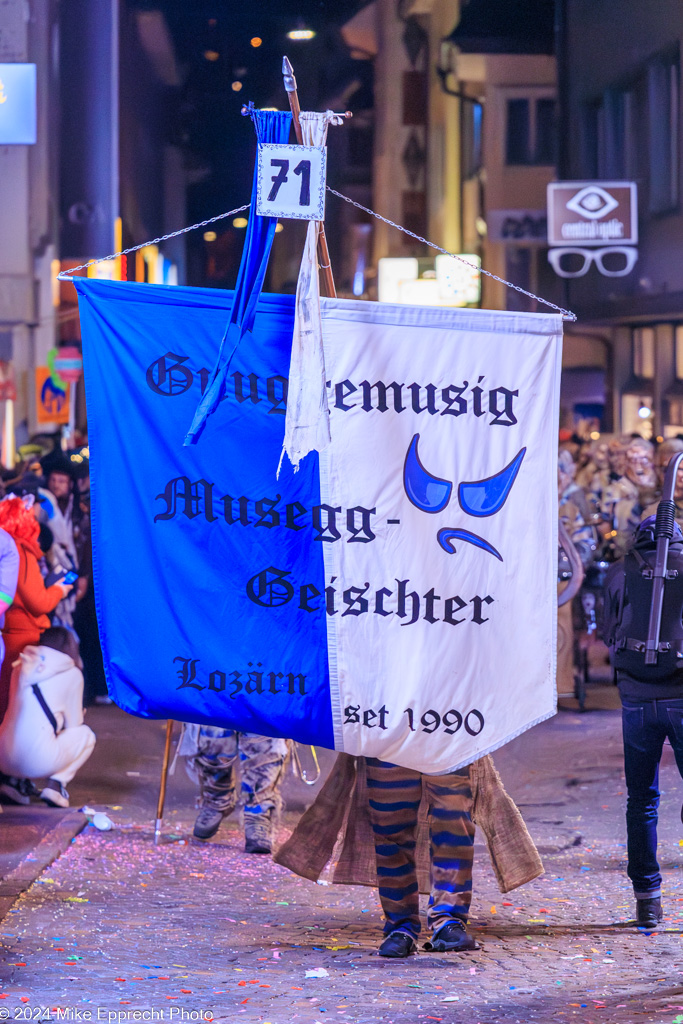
x=162 y=785
x=323 y=251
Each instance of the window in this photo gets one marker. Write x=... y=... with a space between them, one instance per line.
x=530 y=136
x=472 y=125
x=663 y=134
x=675 y=412
x=644 y=352
x=609 y=135
x=678 y=351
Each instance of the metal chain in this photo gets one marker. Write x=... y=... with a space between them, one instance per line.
x=173 y=234
x=566 y=313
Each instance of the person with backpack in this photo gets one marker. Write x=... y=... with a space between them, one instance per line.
x=651 y=691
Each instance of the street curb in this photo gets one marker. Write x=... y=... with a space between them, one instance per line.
x=48 y=849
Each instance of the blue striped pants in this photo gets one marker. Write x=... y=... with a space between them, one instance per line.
x=394 y=797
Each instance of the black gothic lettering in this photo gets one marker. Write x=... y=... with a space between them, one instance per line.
x=356 y=603
x=330 y=524
x=361 y=534
x=307 y=592
x=477 y=394
x=341 y=391
x=452 y=606
x=382 y=389
x=294 y=681
x=293 y=511
x=187 y=673
x=270 y=588
x=478 y=602
x=217 y=681
x=430 y=599
x=276 y=389
x=168 y=377
x=265 y=510
x=196 y=498
x=451 y=396
x=236 y=684
x=504 y=417
x=239 y=387
x=415 y=603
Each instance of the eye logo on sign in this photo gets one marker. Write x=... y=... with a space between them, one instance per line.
x=291 y=181
x=478 y=498
x=592 y=202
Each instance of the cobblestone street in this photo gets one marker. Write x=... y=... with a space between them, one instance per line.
x=188 y=929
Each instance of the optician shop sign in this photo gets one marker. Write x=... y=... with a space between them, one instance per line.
x=17 y=104
x=592 y=222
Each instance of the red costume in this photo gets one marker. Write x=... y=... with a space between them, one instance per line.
x=26 y=618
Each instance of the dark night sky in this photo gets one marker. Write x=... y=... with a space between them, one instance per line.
x=206 y=119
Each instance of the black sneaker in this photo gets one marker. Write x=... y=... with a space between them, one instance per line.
x=207 y=824
x=13 y=790
x=257 y=832
x=649 y=912
x=54 y=794
x=397 y=945
x=452 y=938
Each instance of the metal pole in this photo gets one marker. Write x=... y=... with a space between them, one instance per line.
x=162 y=785
x=664 y=529
x=323 y=251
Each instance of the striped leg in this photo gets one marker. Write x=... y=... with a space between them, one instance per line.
x=394 y=797
x=452 y=847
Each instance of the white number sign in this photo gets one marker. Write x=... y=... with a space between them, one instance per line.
x=291 y=181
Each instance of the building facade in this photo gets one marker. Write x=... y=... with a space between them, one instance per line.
x=104 y=171
x=620 y=120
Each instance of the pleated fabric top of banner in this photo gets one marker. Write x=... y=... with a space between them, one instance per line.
x=396 y=596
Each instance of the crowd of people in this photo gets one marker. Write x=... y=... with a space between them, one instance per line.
x=607 y=486
x=49 y=631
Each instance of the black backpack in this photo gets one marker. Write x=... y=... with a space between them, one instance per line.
x=635 y=601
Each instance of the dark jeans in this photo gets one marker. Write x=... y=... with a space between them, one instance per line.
x=646 y=724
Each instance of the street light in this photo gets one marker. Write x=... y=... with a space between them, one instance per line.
x=301 y=34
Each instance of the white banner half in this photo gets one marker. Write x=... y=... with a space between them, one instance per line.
x=441 y=600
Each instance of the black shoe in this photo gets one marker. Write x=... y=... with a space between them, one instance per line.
x=13 y=790
x=398 y=945
x=452 y=938
x=207 y=824
x=649 y=912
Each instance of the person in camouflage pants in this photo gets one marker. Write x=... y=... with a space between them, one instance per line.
x=212 y=755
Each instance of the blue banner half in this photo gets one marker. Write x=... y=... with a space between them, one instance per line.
x=191 y=607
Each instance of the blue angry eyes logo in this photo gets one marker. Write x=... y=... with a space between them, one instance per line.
x=480 y=498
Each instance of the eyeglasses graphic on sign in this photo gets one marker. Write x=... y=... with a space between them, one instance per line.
x=611 y=261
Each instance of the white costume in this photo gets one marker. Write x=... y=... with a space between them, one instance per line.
x=29 y=747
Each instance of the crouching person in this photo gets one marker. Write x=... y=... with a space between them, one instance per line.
x=42 y=735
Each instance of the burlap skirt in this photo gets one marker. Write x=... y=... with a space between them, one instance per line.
x=340 y=812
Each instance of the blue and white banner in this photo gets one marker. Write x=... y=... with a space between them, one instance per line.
x=396 y=596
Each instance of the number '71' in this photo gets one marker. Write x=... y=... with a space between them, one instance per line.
x=303 y=168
